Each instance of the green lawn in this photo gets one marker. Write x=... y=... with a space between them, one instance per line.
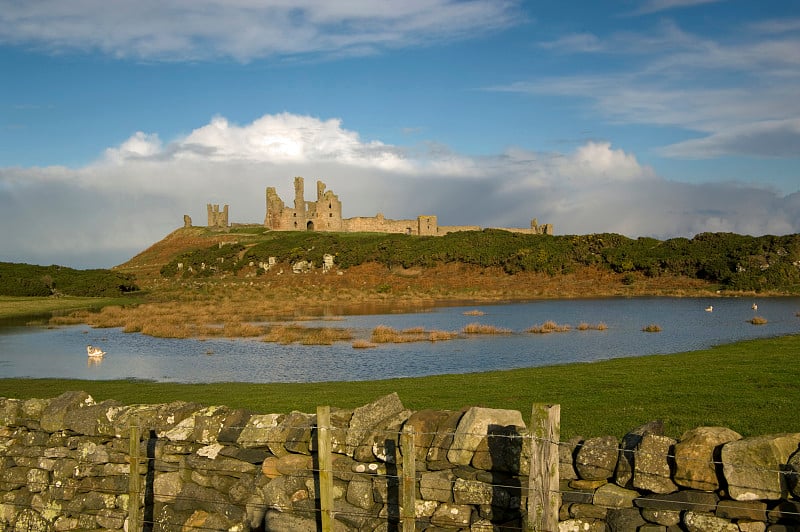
x=752 y=387
x=17 y=307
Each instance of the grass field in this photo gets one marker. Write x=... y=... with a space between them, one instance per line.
x=17 y=307
x=752 y=387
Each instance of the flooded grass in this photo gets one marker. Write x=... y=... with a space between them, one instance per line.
x=652 y=328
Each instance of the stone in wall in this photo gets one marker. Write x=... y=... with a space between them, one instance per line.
x=596 y=458
x=696 y=455
x=754 y=467
x=651 y=468
x=472 y=427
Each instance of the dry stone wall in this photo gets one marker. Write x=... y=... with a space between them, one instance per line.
x=65 y=465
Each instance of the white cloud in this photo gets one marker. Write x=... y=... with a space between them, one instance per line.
x=139 y=145
x=137 y=192
x=656 y=6
x=245 y=29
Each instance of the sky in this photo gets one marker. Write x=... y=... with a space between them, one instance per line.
x=647 y=118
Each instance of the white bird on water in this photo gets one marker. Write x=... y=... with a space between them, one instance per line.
x=754 y=307
x=709 y=308
x=94 y=352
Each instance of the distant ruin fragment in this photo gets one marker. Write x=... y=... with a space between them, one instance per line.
x=217 y=218
x=187 y=220
x=325 y=214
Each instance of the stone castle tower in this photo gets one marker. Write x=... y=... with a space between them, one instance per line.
x=217 y=218
x=324 y=214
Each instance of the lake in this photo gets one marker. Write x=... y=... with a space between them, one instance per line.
x=39 y=352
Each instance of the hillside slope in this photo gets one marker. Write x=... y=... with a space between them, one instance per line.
x=724 y=261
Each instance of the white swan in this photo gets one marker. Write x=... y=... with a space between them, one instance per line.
x=94 y=352
x=754 y=307
x=709 y=308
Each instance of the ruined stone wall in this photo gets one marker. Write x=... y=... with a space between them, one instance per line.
x=65 y=465
x=379 y=224
x=444 y=229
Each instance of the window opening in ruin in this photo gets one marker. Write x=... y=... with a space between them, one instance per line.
x=295 y=225
x=310 y=226
x=330 y=215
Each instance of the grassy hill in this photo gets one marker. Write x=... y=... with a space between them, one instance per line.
x=725 y=261
x=488 y=264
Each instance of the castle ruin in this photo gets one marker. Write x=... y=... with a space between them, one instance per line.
x=217 y=218
x=325 y=214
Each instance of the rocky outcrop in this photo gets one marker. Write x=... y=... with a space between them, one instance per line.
x=65 y=465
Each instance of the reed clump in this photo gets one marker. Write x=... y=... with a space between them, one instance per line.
x=298 y=334
x=480 y=328
x=758 y=320
x=475 y=312
x=548 y=327
x=363 y=344
x=383 y=334
x=653 y=327
x=441 y=336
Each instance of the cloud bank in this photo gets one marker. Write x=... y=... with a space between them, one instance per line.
x=135 y=193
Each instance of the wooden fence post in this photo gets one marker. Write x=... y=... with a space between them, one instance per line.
x=408 y=488
x=544 y=497
x=134 y=480
x=325 y=467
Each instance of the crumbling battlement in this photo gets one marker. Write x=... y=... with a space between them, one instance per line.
x=325 y=214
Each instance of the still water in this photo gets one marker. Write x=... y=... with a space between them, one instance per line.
x=686 y=325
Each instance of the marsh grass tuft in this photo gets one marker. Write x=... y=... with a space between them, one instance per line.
x=440 y=336
x=363 y=344
x=383 y=334
x=758 y=320
x=293 y=333
x=475 y=312
x=480 y=328
x=548 y=327
x=653 y=327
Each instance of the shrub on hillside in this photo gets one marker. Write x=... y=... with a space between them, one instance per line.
x=33 y=280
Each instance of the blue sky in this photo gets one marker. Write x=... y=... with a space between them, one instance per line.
x=654 y=118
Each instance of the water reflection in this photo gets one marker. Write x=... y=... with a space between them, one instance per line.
x=685 y=326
